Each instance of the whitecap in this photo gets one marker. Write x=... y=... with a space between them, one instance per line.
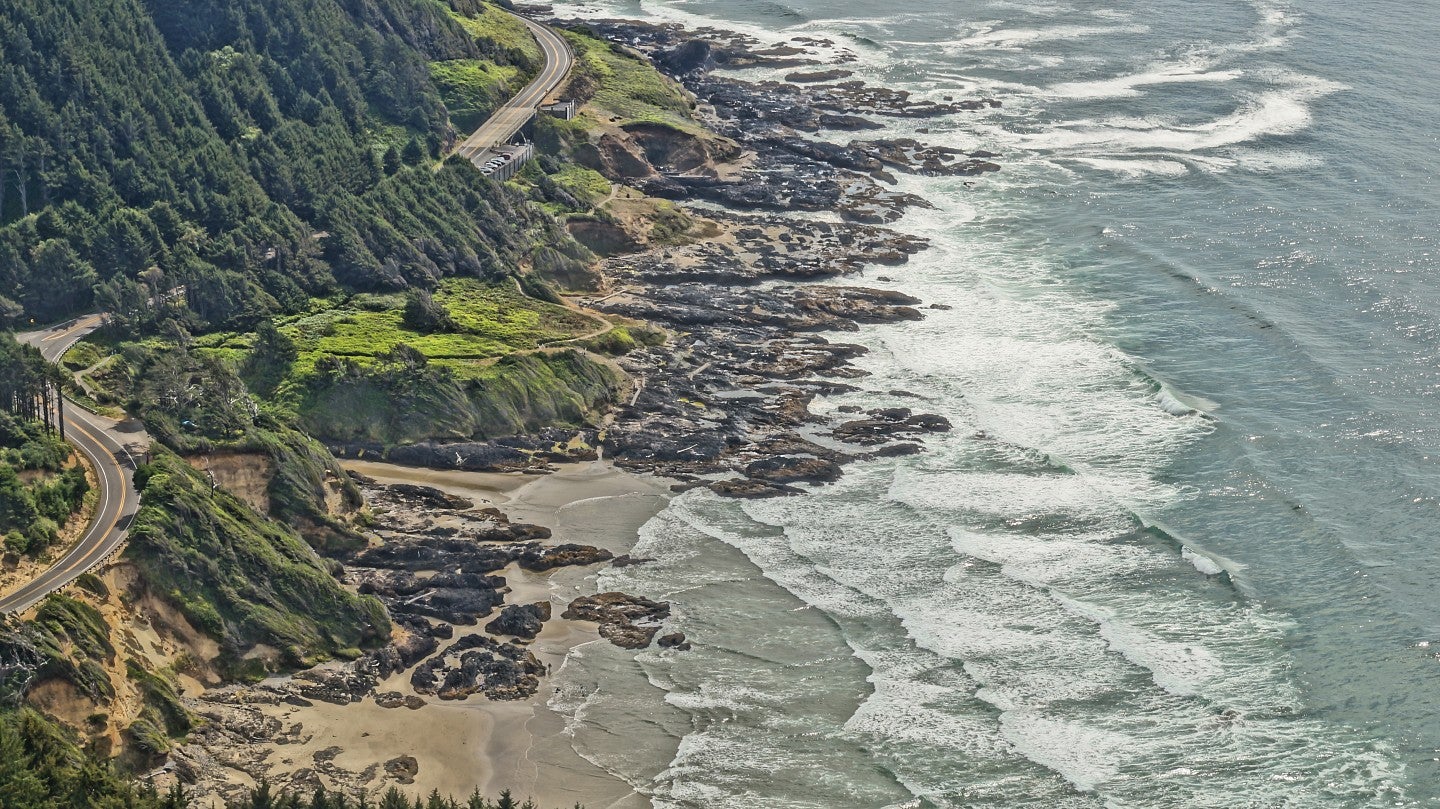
x=1011 y=38
x=1125 y=86
x=1182 y=668
x=1136 y=166
x=1202 y=563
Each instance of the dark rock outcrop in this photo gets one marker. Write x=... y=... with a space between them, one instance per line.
x=695 y=55
x=403 y=769
x=521 y=620
x=477 y=664
x=750 y=489
x=429 y=496
x=784 y=469
x=539 y=559
x=394 y=699
x=627 y=621
x=886 y=424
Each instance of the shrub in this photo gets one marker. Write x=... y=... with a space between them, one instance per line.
x=41 y=533
x=426 y=315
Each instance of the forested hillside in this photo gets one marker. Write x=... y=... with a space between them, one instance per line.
x=256 y=152
x=256 y=193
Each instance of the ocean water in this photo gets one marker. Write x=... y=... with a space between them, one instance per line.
x=1182 y=546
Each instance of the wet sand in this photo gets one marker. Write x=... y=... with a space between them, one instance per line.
x=520 y=746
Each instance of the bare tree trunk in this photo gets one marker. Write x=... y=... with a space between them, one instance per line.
x=44 y=183
x=22 y=178
x=22 y=183
x=45 y=405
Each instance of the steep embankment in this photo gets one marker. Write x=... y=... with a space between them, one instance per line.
x=634 y=122
x=201 y=171
x=207 y=587
x=243 y=580
x=635 y=126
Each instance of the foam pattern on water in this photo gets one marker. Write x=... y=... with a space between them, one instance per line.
x=993 y=623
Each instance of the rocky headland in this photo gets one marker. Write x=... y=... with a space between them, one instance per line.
x=723 y=403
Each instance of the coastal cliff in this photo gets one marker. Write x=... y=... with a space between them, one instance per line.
x=326 y=295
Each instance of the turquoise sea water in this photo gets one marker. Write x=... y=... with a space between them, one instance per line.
x=1181 y=548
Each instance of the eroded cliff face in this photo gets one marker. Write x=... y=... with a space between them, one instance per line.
x=213 y=590
x=246 y=475
x=638 y=151
x=109 y=661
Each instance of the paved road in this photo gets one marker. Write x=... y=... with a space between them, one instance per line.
x=103 y=443
x=515 y=113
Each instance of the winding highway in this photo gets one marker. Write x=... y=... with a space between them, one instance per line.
x=510 y=118
x=104 y=444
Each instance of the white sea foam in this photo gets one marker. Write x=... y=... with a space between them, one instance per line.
x=1025 y=366
x=1202 y=563
x=1172 y=404
x=1136 y=166
x=1044 y=561
x=1271 y=160
x=1038 y=655
x=1180 y=668
x=997 y=493
x=1276 y=112
x=1079 y=644
x=1086 y=756
x=1128 y=85
x=991 y=37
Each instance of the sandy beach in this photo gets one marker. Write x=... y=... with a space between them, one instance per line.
x=459 y=746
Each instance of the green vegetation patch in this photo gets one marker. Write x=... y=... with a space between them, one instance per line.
x=403 y=398
x=491 y=320
x=670 y=224
x=625 y=85
x=498 y=29
x=624 y=339
x=163 y=716
x=73 y=642
x=587 y=186
x=473 y=88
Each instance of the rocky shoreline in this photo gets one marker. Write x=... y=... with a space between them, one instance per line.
x=726 y=400
x=470 y=592
x=729 y=396
x=723 y=404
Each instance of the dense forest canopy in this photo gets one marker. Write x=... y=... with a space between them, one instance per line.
x=255 y=152
x=252 y=190
x=28 y=384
